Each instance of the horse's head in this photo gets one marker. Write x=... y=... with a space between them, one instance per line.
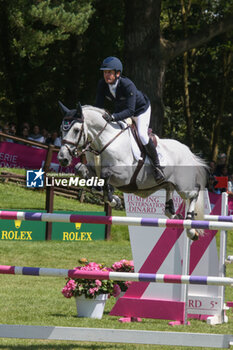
x=73 y=135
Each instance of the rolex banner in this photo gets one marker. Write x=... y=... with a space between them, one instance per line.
x=17 y=230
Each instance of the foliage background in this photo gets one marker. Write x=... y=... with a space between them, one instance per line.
x=175 y=50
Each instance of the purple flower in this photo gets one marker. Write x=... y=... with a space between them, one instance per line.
x=116 y=290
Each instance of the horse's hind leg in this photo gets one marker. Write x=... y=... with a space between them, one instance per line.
x=192 y=233
x=169 y=206
x=195 y=209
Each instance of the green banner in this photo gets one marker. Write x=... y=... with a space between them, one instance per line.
x=76 y=231
x=17 y=230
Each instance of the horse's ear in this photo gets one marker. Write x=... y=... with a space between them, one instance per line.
x=79 y=110
x=64 y=109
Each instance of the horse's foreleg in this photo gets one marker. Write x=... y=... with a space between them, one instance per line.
x=109 y=197
x=191 y=209
x=86 y=172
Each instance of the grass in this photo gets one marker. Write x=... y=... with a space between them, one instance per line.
x=38 y=301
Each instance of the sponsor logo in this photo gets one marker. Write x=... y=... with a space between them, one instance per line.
x=77 y=236
x=35 y=178
x=16 y=235
x=18 y=223
x=73 y=181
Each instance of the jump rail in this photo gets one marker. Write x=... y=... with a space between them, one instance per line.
x=109 y=220
x=116 y=276
x=203 y=340
x=226 y=218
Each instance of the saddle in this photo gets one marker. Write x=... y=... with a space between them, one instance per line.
x=133 y=128
x=134 y=131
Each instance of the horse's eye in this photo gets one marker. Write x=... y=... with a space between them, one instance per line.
x=76 y=130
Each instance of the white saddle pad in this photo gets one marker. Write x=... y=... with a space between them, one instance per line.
x=137 y=153
x=135 y=149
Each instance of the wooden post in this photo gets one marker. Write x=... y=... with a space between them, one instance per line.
x=49 y=193
x=108 y=211
x=49 y=209
x=48 y=158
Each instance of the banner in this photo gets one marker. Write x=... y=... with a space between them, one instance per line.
x=18 y=230
x=214 y=198
x=14 y=155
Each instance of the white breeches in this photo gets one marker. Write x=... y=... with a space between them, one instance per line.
x=142 y=123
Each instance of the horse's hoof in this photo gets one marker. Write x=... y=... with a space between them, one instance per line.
x=116 y=202
x=179 y=217
x=193 y=234
x=195 y=237
x=113 y=203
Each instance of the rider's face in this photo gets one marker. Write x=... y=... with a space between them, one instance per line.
x=110 y=76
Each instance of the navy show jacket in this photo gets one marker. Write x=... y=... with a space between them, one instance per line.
x=129 y=101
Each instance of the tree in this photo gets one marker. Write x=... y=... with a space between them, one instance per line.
x=29 y=33
x=148 y=52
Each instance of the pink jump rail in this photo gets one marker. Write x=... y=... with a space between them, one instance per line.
x=108 y=220
x=116 y=276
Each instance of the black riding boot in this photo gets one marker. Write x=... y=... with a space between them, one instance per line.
x=154 y=160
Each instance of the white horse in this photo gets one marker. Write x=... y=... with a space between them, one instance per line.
x=85 y=130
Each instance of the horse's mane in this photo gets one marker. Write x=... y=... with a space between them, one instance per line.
x=93 y=108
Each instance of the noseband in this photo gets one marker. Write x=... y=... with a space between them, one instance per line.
x=65 y=142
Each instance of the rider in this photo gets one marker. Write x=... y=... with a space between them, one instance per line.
x=129 y=102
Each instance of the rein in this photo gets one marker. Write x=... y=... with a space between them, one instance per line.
x=109 y=142
x=87 y=147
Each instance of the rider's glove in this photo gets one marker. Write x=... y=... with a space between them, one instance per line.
x=108 y=117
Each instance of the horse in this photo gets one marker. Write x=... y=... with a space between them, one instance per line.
x=113 y=155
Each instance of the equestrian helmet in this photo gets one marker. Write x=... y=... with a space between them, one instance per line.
x=112 y=63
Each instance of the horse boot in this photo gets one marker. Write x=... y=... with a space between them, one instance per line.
x=154 y=160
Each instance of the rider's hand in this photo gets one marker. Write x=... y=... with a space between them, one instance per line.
x=108 y=117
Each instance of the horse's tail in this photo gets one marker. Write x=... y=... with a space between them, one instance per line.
x=201 y=181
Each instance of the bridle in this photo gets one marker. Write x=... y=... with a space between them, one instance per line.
x=87 y=145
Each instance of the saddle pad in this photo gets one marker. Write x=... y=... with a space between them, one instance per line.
x=137 y=153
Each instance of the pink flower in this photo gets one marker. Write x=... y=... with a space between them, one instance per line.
x=98 y=283
x=116 y=265
x=116 y=290
x=71 y=285
x=93 y=290
x=128 y=283
x=92 y=266
x=67 y=292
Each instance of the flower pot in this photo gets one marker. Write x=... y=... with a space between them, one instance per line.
x=93 y=308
